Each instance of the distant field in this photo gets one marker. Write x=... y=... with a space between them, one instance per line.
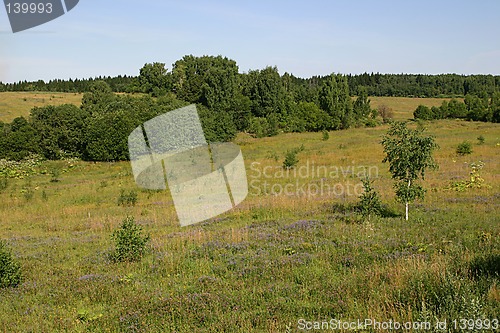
x=403 y=107
x=16 y=104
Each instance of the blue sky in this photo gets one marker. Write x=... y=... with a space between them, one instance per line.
x=112 y=37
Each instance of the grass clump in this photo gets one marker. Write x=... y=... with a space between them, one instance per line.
x=10 y=270
x=130 y=243
x=127 y=199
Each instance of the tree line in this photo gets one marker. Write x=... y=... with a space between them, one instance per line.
x=260 y=102
x=97 y=130
x=375 y=84
x=475 y=108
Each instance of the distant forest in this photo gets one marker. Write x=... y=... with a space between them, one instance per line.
x=260 y=102
x=375 y=84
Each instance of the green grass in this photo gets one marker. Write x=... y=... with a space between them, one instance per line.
x=17 y=104
x=266 y=264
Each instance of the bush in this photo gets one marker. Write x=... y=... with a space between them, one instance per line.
x=127 y=199
x=423 y=112
x=130 y=244
x=386 y=113
x=291 y=159
x=326 y=135
x=10 y=270
x=465 y=148
x=369 y=202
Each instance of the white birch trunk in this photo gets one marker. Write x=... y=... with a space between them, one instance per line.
x=409 y=184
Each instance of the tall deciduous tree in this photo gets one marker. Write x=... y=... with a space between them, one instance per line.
x=495 y=107
x=409 y=154
x=335 y=100
x=361 y=106
x=211 y=81
x=154 y=79
x=98 y=98
x=266 y=91
x=61 y=129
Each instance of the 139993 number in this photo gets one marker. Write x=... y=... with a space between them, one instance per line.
x=31 y=8
x=476 y=324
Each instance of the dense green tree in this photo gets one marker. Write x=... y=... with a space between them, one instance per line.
x=154 y=79
x=217 y=126
x=335 y=100
x=211 y=81
x=456 y=109
x=495 y=107
x=477 y=108
x=98 y=98
x=266 y=92
x=107 y=136
x=242 y=112
x=18 y=139
x=361 y=107
x=307 y=116
x=61 y=129
x=423 y=112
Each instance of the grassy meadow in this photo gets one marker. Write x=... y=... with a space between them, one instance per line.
x=17 y=104
x=403 y=107
x=278 y=258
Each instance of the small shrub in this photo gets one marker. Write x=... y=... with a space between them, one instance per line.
x=369 y=202
x=480 y=140
x=54 y=174
x=291 y=159
x=326 y=135
x=10 y=270
x=127 y=199
x=465 y=148
x=386 y=113
x=130 y=244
